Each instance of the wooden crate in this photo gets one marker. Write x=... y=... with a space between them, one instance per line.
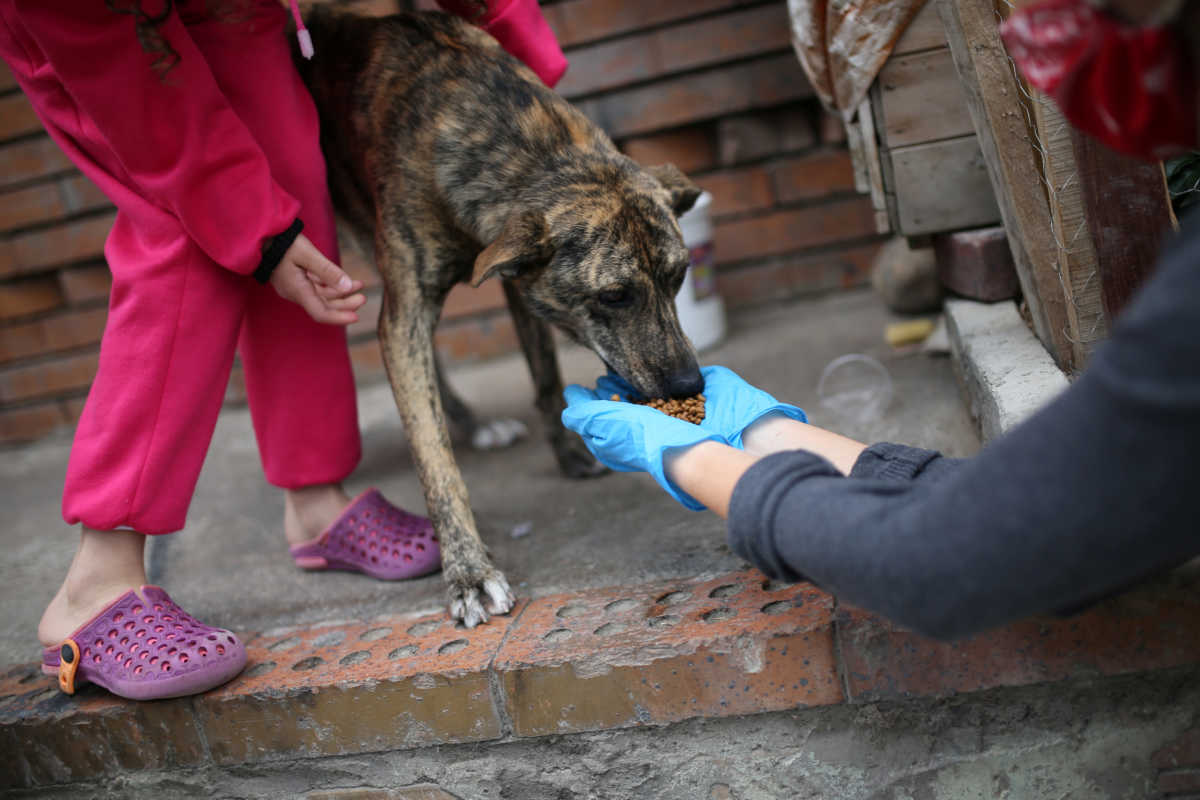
x=914 y=145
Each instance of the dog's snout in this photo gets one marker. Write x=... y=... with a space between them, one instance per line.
x=685 y=384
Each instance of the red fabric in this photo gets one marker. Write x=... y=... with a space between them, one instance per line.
x=1132 y=88
x=176 y=141
x=520 y=28
x=201 y=169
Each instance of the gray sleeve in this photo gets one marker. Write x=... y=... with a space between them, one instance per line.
x=898 y=462
x=1092 y=493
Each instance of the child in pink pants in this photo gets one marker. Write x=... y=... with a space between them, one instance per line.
x=211 y=157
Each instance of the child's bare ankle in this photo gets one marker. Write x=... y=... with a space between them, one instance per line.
x=309 y=510
x=106 y=565
x=74 y=606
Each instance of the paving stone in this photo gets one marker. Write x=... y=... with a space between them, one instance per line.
x=356 y=688
x=27 y=297
x=605 y=658
x=85 y=284
x=352 y=794
x=665 y=51
x=795 y=274
x=737 y=191
x=582 y=21
x=27 y=423
x=424 y=791
x=1183 y=752
x=813 y=175
x=977 y=264
x=1180 y=783
x=29 y=159
x=31 y=205
x=69 y=242
x=695 y=96
x=666 y=652
x=56 y=738
x=691 y=149
x=786 y=230
x=50 y=378
x=1139 y=631
x=1007 y=372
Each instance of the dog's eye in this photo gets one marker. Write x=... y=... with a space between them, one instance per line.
x=616 y=298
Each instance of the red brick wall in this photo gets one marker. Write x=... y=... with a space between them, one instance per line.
x=710 y=85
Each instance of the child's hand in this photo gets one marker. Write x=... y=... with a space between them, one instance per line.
x=316 y=284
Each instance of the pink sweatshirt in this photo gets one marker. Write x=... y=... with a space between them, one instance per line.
x=521 y=29
x=177 y=142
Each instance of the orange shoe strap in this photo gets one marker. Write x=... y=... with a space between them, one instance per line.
x=68 y=662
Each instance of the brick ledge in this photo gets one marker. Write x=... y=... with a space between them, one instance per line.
x=600 y=659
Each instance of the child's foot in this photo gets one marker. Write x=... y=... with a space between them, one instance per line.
x=143 y=646
x=105 y=626
x=309 y=511
x=368 y=535
x=106 y=565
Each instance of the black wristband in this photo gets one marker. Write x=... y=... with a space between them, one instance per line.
x=275 y=250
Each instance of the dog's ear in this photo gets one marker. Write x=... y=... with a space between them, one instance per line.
x=683 y=191
x=523 y=244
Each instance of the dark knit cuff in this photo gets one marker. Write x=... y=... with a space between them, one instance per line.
x=274 y=251
x=887 y=461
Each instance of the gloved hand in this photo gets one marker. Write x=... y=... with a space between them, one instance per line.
x=730 y=404
x=629 y=437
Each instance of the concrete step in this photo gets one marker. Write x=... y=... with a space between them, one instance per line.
x=607 y=659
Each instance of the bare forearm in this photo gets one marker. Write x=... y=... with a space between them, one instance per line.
x=777 y=433
x=709 y=471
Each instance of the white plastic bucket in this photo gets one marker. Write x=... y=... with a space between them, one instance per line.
x=701 y=310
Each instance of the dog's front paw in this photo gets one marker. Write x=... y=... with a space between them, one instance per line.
x=494 y=434
x=576 y=461
x=475 y=601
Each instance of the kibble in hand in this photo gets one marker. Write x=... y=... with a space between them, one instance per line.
x=688 y=409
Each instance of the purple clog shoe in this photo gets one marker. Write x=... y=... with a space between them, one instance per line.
x=374 y=537
x=144 y=647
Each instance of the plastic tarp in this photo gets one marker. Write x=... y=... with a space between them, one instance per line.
x=842 y=44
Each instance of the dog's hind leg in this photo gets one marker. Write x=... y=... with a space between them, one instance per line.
x=483 y=434
x=537 y=342
x=406 y=322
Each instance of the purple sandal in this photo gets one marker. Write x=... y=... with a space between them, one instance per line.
x=144 y=647
x=374 y=537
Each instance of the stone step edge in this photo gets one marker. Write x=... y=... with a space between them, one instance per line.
x=598 y=659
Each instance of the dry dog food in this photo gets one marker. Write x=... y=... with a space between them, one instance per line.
x=688 y=409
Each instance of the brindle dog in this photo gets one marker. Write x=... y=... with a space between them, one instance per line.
x=463 y=166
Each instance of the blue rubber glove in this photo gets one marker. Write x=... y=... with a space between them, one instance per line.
x=730 y=404
x=631 y=438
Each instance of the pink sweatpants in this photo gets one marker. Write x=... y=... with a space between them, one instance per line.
x=176 y=315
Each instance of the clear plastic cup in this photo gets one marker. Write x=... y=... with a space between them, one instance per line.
x=855 y=386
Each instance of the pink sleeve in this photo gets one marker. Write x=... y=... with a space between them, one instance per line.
x=521 y=30
x=178 y=140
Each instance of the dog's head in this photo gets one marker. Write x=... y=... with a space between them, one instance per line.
x=602 y=257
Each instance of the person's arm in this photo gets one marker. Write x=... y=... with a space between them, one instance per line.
x=175 y=137
x=520 y=28
x=708 y=472
x=1092 y=493
x=776 y=433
